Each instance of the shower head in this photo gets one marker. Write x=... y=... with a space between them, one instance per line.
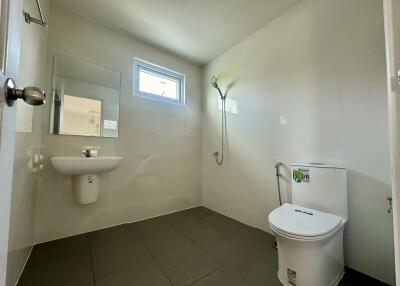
x=214 y=83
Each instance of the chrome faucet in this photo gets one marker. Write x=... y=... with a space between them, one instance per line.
x=90 y=151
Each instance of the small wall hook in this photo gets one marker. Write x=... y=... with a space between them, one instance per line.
x=390 y=204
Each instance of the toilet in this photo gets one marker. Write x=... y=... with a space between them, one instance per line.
x=309 y=232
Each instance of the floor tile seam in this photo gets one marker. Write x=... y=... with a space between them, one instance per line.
x=209 y=227
x=203 y=253
x=142 y=243
x=126 y=269
x=151 y=258
x=221 y=266
x=215 y=258
x=202 y=249
x=192 y=240
x=164 y=272
x=91 y=260
x=183 y=234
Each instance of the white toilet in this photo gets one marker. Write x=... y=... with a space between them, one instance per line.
x=309 y=232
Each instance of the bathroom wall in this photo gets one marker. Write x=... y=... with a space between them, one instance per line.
x=310 y=87
x=28 y=137
x=160 y=143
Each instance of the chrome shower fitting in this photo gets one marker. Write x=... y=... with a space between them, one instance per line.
x=218 y=159
x=278 y=175
x=214 y=83
x=29 y=18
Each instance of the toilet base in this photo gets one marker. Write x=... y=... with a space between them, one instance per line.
x=334 y=284
x=311 y=263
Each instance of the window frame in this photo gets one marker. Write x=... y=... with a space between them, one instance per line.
x=139 y=64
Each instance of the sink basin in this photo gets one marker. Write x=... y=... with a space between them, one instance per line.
x=77 y=165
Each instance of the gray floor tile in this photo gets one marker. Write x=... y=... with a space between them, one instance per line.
x=165 y=242
x=198 y=212
x=216 y=241
x=194 y=247
x=228 y=229
x=151 y=227
x=179 y=257
x=239 y=235
x=118 y=257
x=194 y=228
x=260 y=239
x=261 y=271
x=72 y=270
x=58 y=249
x=257 y=266
x=124 y=234
x=223 y=277
x=192 y=271
x=145 y=274
x=116 y=249
x=33 y=279
x=241 y=255
x=221 y=221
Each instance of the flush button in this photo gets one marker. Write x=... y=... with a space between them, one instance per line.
x=304 y=212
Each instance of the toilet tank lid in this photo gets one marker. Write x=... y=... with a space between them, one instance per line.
x=317 y=165
x=304 y=222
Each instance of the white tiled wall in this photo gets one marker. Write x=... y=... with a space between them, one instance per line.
x=160 y=143
x=28 y=137
x=311 y=87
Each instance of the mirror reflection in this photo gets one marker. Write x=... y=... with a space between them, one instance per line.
x=85 y=98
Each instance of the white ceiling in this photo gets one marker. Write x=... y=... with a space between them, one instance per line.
x=198 y=30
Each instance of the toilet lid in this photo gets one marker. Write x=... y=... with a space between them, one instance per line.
x=300 y=221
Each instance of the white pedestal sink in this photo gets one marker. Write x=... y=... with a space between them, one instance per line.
x=84 y=172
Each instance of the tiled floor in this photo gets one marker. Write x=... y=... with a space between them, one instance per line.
x=195 y=247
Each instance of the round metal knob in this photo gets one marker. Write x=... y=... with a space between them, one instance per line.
x=31 y=95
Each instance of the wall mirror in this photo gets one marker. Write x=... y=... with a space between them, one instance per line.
x=85 y=98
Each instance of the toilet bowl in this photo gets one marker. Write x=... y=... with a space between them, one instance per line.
x=309 y=232
x=310 y=246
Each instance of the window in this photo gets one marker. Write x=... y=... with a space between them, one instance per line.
x=158 y=83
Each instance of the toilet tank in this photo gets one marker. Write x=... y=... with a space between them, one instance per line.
x=320 y=187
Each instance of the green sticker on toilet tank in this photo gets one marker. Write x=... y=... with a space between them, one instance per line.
x=301 y=175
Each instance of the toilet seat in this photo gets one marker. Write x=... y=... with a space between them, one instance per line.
x=301 y=223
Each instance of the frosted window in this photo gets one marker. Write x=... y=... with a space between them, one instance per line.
x=158 y=83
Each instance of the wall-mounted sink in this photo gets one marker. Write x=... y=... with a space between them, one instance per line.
x=78 y=165
x=84 y=170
